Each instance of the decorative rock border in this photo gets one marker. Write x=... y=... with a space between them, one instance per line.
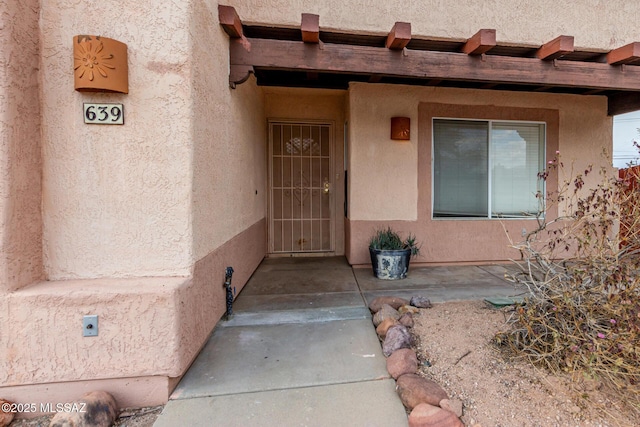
x=428 y=403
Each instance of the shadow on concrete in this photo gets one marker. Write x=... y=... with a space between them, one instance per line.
x=300 y=348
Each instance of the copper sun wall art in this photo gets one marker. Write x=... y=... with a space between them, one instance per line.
x=100 y=64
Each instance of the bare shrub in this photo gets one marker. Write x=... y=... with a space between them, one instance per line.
x=582 y=311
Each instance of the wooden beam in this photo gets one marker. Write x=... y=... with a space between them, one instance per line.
x=624 y=102
x=230 y=21
x=399 y=36
x=431 y=65
x=310 y=28
x=592 y=92
x=625 y=54
x=239 y=74
x=555 y=48
x=480 y=43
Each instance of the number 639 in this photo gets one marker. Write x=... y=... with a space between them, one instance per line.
x=103 y=113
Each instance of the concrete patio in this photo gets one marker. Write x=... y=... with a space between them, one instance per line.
x=301 y=349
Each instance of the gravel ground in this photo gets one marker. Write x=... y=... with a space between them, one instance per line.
x=453 y=345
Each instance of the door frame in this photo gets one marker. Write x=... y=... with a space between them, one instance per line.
x=332 y=182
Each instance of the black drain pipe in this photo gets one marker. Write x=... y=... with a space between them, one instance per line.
x=227 y=285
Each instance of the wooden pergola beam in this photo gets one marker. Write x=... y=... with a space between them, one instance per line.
x=310 y=28
x=399 y=36
x=239 y=74
x=621 y=103
x=555 y=48
x=429 y=65
x=625 y=54
x=481 y=42
x=230 y=21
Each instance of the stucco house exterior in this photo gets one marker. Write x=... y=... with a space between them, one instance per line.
x=262 y=128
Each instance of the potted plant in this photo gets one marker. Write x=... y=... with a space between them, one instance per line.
x=390 y=254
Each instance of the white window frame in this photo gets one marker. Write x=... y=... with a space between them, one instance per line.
x=490 y=214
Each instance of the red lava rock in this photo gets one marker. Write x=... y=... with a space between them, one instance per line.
x=100 y=410
x=425 y=415
x=406 y=320
x=403 y=361
x=397 y=337
x=414 y=390
x=452 y=405
x=385 y=312
x=5 y=417
x=383 y=327
x=404 y=309
x=376 y=304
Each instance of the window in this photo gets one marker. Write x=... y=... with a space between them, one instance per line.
x=486 y=169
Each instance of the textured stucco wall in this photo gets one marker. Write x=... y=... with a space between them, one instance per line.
x=20 y=160
x=173 y=191
x=323 y=105
x=132 y=392
x=403 y=198
x=585 y=129
x=383 y=173
x=138 y=330
x=117 y=199
x=229 y=164
x=200 y=308
x=148 y=327
x=602 y=24
x=132 y=184
x=123 y=201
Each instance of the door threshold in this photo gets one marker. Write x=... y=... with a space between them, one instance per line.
x=302 y=255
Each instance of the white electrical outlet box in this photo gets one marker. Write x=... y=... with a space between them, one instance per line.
x=90 y=326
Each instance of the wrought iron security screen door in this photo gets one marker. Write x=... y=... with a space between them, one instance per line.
x=301 y=190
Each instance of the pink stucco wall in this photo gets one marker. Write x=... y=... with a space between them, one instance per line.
x=150 y=329
x=229 y=139
x=20 y=160
x=139 y=220
x=576 y=125
x=136 y=223
x=598 y=24
x=117 y=199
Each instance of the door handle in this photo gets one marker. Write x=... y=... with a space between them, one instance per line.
x=326 y=186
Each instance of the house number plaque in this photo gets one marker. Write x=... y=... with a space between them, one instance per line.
x=103 y=114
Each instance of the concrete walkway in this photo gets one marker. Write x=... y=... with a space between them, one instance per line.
x=301 y=349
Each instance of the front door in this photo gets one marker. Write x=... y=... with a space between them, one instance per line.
x=300 y=188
